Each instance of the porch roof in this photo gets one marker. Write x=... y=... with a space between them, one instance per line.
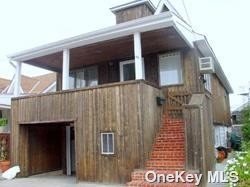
x=115 y=41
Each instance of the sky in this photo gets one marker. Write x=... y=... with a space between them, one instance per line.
x=26 y=24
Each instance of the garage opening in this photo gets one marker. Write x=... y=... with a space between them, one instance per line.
x=50 y=148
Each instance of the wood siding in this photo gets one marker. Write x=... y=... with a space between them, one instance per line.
x=190 y=71
x=221 y=104
x=127 y=109
x=108 y=72
x=46 y=153
x=133 y=13
x=199 y=135
x=152 y=68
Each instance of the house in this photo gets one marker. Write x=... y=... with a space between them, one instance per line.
x=140 y=95
x=237 y=119
x=4 y=106
x=236 y=115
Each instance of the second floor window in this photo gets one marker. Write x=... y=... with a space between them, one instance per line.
x=84 y=77
x=127 y=70
x=170 y=69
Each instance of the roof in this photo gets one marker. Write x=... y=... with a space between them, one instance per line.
x=33 y=85
x=44 y=82
x=144 y=24
x=148 y=3
x=149 y=23
x=4 y=83
x=240 y=108
x=27 y=83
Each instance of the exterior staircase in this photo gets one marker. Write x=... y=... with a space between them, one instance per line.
x=167 y=156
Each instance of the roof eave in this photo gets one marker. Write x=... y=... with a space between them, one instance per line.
x=145 y=24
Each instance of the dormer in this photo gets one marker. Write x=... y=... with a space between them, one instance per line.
x=133 y=10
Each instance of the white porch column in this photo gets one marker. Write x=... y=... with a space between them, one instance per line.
x=65 y=70
x=138 y=56
x=65 y=86
x=17 y=85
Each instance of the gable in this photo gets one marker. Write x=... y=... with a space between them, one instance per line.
x=172 y=6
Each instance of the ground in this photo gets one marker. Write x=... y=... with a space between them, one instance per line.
x=220 y=167
x=55 y=179
x=52 y=179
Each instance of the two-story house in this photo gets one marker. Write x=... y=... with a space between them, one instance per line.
x=131 y=96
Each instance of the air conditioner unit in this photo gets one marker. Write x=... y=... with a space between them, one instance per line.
x=206 y=65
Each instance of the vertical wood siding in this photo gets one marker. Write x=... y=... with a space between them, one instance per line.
x=127 y=109
x=221 y=104
x=199 y=134
x=133 y=13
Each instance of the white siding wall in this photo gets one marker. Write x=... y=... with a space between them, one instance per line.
x=220 y=136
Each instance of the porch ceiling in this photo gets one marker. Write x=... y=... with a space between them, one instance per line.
x=117 y=49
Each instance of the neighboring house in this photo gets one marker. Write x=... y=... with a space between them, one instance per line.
x=237 y=119
x=4 y=106
x=237 y=114
x=29 y=85
x=143 y=94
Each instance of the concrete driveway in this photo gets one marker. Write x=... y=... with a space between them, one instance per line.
x=50 y=180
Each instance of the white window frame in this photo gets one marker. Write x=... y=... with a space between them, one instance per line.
x=181 y=65
x=122 y=63
x=74 y=72
x=113 y=137
x=208 y=83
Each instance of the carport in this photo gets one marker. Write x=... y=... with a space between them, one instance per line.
x=48 y=147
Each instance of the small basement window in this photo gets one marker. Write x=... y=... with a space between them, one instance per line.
x=107 y=143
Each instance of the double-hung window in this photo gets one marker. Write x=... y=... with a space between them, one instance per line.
x=107 y=143
x=170 y=69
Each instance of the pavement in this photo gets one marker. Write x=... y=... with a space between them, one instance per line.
x=52 y=179
x=220 y=167
x=57 y=179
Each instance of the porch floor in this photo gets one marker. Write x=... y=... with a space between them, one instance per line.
x=52 y=179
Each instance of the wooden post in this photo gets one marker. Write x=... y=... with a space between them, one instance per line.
x=139 y=74
x=17 y=79
x=65 y=86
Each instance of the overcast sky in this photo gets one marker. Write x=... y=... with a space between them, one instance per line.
x=28 y=23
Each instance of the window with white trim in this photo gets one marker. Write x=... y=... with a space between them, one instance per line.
x=107 y=143
x=207 y=84
x=170 y=69
x=127 y=70
x=84 y=77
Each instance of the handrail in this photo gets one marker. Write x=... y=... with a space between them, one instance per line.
x=175 y=102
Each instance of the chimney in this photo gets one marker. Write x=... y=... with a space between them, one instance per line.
x=133 y=10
